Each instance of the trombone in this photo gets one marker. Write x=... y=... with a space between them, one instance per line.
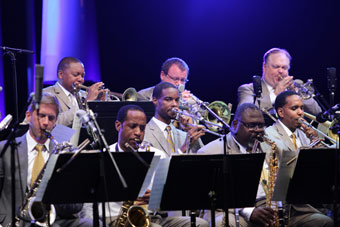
x=129 y=94
x=179 y=112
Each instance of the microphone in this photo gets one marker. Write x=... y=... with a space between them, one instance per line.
x=39 y=71
x=327 y=115
x=181 y=88
x=86 y=120
x=5 y=122
x=331 y=78
x=0 y=89
x=257 y=86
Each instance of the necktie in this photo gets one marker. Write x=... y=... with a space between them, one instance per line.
x=169 y=139
x=38 y=163
x=294 y=140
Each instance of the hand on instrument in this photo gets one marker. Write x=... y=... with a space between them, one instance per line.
x=262 y=215
x=145 y=199
x=94 y=90
x=185 y=122
x=283 y=84
x=310 y=133
x=192 y=136
x=186 y=95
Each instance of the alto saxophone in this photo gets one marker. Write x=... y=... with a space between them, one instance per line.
x=269 y=186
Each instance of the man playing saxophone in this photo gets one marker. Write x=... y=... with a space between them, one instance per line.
x=131 y=124
x=32 y=151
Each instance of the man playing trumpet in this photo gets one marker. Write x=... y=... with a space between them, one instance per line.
x=290 y=110
x=71 y=72
x=275 y=79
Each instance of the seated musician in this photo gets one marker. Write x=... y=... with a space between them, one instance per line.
x=275 y=79
x=33 y=150
x=130 y=124
x=71 y=72
x=290 y=108
x=248 y=126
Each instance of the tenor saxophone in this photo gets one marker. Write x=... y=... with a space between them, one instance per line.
x=131 y=215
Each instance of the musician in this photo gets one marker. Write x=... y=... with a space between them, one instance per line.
x=175 y=71
x=30 y=161
x=289 y=107
x=275 y=79
x=71 y=72
x=130 y=124
x=160 y=133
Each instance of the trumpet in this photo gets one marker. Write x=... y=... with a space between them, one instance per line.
x=305 y=90
x=179 y=112
x=129 y=94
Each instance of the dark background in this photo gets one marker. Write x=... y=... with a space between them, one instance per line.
x=223 y=42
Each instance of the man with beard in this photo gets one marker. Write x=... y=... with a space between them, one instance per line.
x=160 y=133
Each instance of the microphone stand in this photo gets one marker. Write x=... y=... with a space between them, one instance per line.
x=12 y=142
x=11 y=53
x=226 y=173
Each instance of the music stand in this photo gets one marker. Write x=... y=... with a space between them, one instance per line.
x=199 y=175
x=82 y=178
x=107 y=114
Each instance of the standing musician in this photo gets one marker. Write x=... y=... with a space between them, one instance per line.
x=130 y=124
x=71 y=72
x=275 y=79
x=30 y=159
x=160 y=133
x=175 y=71
x=290 y=109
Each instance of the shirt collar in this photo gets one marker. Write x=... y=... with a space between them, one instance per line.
x=269 y=87
x=31 y=143
x=242 y=148
x=287 y=130
x=67 y=93
x=160 y=124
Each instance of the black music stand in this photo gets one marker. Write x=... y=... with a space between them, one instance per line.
x=312 y=179
x=192 y=178
x=107 y=114
x=80 y=181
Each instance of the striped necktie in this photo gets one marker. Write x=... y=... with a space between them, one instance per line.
x=38 y=163
x=169 y=139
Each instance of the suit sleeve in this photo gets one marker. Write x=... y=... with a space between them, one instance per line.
x=311 y=106
x=66 y=117
x=245 y=94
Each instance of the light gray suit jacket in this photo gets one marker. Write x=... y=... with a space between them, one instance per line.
x=21 y=162
x=67 y=110
x=288 y=151
x=156 y=138
x=245 y=94
x=146 y=93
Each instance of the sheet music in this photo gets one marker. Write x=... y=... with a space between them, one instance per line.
x=149 y=175
x=62 y=133
x=47 y=175
x=158 y=184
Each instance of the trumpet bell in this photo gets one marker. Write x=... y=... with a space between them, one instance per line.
x=222 y=110
x=129 y=94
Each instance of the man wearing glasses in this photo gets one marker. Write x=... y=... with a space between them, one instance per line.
x=175 y=71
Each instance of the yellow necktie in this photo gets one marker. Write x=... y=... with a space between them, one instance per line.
x=38 y=163
x=294 y=141
x=169 y=139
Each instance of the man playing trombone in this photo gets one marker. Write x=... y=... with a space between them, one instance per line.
x=71 y=72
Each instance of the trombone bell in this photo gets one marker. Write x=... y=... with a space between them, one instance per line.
x=222 y=110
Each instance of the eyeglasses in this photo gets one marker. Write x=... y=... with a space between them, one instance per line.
x=253 y=125
x=177 y=79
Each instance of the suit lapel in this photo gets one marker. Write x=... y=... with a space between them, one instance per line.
x=61 y=94
x=159 y=137
x=284 y=136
